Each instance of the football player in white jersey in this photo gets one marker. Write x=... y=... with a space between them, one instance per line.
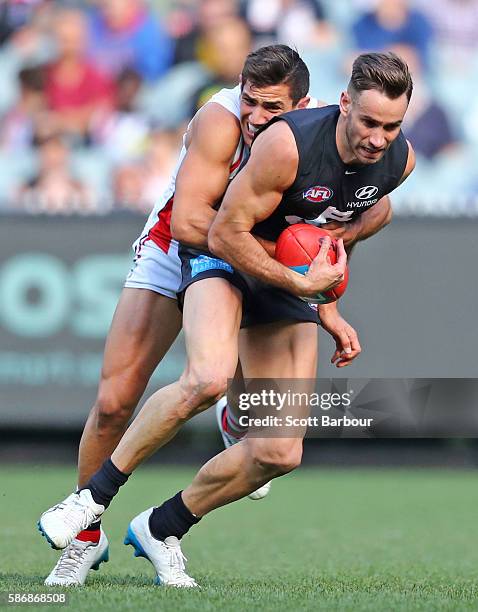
x=147 y=319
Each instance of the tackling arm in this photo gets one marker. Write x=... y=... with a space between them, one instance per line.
x=203 y=176
x=251 y=198
x=374 y=219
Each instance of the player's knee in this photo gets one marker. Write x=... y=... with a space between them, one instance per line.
x=277 y=459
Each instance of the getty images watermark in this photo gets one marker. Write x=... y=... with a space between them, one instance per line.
x=356 y=408
x=291 y=407
x=250 y=404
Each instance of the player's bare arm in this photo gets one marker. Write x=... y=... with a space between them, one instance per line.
x=347 y=345
x=363 y=226
x=211 y=143
x=202 y=179
x=252 y=197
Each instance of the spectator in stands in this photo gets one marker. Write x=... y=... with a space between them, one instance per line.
x=195 y=25
x=126 y=34
x=75 y=88
x=28 y=44
x=136 y=186
x=161 y=158
x=456 y=27
x=303 y=23
x=19 y=125
x=263 y=17
x=123 y=133
x=15 y=15
x=393 y=22
x=223 y=51
x=54 y=190
x=294 y=22
x=426 y=124
x=126 y=187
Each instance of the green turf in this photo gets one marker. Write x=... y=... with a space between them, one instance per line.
x=323 y=540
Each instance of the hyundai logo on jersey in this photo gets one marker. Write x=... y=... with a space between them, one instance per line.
x=365 y=193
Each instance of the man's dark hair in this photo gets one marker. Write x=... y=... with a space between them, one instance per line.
x=386 y=72
x=32 y=78
x=274 y=65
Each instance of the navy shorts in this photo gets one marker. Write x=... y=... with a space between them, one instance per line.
x=261 y=303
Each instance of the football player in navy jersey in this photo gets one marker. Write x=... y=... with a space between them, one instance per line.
x=355 y=151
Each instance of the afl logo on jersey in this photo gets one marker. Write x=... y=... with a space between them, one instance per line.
x=318 y=194
x=365 y=193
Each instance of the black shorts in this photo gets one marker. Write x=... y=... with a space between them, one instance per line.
x=261 y=303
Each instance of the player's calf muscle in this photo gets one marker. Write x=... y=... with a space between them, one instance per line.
x=138 y=338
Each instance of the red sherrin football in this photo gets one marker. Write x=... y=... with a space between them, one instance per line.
x=297 y=246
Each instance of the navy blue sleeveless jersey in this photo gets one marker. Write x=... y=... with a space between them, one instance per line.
x=326 y=189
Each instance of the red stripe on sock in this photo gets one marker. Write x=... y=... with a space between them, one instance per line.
x=234 y=434
x=224 y=419
x=89 y=536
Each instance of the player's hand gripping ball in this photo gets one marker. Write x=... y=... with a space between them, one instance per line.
x=297 y=246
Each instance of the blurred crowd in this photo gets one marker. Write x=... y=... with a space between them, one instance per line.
x=95 y=95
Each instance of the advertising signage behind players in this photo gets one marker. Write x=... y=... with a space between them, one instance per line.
x=60 y=279
x=58 y=297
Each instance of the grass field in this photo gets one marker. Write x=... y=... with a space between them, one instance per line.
x=323 y=540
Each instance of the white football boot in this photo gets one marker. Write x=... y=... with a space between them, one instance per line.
x=229 y=440
x=166 y=557
x=63 y=522
x=76 y=561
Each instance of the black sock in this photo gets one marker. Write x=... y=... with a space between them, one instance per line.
x=171 y=519
x=94 y=526
x=106 y=483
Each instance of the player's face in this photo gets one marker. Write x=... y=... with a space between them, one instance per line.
x=260 y=104
x=372 y=122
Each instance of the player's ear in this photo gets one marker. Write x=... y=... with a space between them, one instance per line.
x=303 y=102
x=345 y=103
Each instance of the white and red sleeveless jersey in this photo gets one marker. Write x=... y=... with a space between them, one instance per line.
x=157 y=226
